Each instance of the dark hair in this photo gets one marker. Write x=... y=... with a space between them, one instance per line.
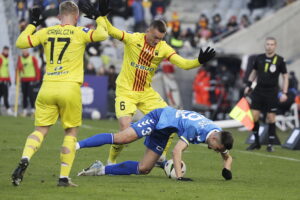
x=226 y=139
x=159 y=25
x=5 y=47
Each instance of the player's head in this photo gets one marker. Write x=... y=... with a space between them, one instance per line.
x=156 y=32
x=270 y=45
x=220 y=141
x=69 y=10
x=5 y=51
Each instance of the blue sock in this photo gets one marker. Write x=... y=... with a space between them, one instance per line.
x=97 y=140
x=124 y=168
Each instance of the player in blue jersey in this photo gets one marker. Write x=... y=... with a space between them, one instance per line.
x=157 y=126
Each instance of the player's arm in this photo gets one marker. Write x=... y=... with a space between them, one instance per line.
x=251 y=78
x=186 y=64
x=114 y=32
x=27 y=39
x=177 y=154
x=100 y=33
x=227 y=161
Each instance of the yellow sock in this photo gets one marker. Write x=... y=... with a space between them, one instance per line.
x=168 y=145
x=33 y=143
x=115 y=150
x=67 y=155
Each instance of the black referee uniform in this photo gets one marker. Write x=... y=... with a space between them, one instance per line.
x=265 y=95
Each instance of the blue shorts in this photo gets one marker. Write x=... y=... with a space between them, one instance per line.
x=156 y=140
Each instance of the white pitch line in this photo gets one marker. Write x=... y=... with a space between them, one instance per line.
x=269 y=156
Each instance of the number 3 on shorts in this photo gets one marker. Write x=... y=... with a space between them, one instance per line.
x=122 y=105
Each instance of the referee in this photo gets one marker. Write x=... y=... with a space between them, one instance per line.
x=264 y=98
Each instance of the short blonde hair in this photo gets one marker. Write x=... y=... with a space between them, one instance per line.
x=68 y=7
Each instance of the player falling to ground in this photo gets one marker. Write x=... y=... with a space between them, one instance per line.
x=157 y=126
x=266 y=68
x=60 y=94
x=143 y=52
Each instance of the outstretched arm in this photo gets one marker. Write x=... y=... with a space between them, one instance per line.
x=227 y=159
x=204 y=56
x=113 y=31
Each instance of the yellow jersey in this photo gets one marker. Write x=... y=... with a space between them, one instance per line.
x=141 y=60
x=64 y=47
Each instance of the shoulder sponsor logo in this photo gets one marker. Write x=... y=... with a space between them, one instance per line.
x=86 y=29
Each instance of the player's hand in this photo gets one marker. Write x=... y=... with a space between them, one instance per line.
x=35 y=14
x=226 y=174
x=104 y=7
x=207 y=55
x=283 y=97
x=91 y=12
x=184 y=179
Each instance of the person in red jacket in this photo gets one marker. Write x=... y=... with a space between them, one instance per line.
x=29 y=72
x=5 y=78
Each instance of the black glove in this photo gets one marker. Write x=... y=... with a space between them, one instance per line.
x=35 y=14
x=91 y=12
x=205 y=56
x=184 y=179
x=226 y=174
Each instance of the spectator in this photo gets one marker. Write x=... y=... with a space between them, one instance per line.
x=5 y=78
x=139 y=16
x=217 y=27
x=29 y=72
x=112 y=77
x=244 y=23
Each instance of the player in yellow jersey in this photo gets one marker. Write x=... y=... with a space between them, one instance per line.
x=60 y=94
x=143 y=52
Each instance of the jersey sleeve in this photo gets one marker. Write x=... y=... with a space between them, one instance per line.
x=255 y=65
x=179 y=61
x=189 y=135
x=117 y=33
x=27 y=39
x=97 y=35
x=283 y=69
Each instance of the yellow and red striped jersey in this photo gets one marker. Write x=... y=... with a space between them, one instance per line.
x=141 y=60
x=64 y=47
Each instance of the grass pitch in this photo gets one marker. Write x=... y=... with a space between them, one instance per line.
x=256 y=175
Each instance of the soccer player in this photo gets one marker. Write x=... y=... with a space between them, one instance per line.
x=60 y=95
x=266 y=69
x=157 y=126
x=143 y=52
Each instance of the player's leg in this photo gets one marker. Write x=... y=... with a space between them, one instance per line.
x=271 y=131
x=152 y=100
x=123 y=168
x=125 y=107
x=33 y=143
x=70 y=110
x=46 y=115
x=24 y=99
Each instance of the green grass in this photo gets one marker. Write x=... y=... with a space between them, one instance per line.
x=255 y=175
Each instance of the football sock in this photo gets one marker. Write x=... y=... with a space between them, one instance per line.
x=164 y=154
x=272 y=133
x=96 y=140
x=124 y=168
x=67 y=155
x=114 y=152
x=33 y=143
x=255 y=132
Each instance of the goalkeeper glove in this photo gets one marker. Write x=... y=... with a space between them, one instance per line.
x=35 y=14
x=184 y=179
x=205 y=56
x=93 y=13
x=226 y=174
